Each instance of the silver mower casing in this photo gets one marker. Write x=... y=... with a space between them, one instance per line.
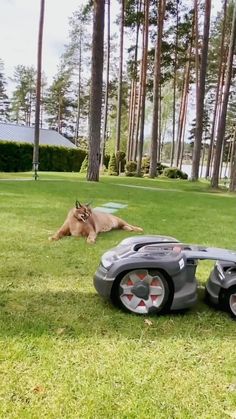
x=177 y=262
x=221 y=278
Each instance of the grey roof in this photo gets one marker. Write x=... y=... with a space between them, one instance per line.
x=23 y=134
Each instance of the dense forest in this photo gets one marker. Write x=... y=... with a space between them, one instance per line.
x=158 y=84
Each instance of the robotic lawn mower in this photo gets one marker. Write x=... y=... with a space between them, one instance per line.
x=154 y=274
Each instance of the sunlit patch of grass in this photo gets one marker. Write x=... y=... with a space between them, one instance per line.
x=64 y=352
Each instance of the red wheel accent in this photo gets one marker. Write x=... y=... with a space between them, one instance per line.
x=155 y=282
x=141 y=276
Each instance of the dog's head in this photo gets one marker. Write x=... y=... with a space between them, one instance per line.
x=82 y=211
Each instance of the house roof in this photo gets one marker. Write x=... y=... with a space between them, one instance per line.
x=23 y=134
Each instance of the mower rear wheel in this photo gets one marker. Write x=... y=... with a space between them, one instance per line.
x=230 y=301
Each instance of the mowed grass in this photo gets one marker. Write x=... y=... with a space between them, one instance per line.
x=64 y=352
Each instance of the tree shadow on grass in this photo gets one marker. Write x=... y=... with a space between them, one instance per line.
x=78 y=315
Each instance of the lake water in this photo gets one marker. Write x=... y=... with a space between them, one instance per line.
x=187 y=168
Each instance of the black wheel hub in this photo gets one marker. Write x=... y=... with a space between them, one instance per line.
x=141 y=290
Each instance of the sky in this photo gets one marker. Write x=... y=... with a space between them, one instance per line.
x=19 y=21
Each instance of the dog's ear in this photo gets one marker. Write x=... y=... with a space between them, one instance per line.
x=77 y=204
x=88 y=204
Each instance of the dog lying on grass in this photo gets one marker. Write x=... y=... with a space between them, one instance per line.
x=83 y=221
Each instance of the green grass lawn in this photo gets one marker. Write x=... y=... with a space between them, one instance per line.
x=64 y=352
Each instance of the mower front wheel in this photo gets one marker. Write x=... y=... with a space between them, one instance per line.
x=142 y=291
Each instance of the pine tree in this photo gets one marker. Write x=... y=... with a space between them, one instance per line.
x=76 y=61
x=59 y=104
x=4 y=101
x=23 y=98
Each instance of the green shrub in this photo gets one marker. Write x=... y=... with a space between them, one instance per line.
x=17 y=157
x=106 y=160
x=184 y=175
x=120 y=155
x=112 y=167
x=131 y=168
x=160 y=168
x=75 y=158
x=120 y=158
x=174 y=173
x=84 y=166
x=145 y=165
x=45 y=158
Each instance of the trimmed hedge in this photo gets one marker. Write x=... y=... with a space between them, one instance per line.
x=146 y=166
x=131 y=168
x=112 y=167
x=174 y=173
x=17 y=157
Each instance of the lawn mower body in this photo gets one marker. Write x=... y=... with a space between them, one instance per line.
x=221 y=279
x=146 y=274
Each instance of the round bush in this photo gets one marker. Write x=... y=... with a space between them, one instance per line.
x=160 y=168
x=112 y=167
x=174 y=173
x=131 y=168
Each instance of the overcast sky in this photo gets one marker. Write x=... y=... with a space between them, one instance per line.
x=19 y=31
x=19 y=21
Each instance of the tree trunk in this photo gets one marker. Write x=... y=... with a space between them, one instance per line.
x=156 y=90
x=218 y=110
x=222 y=56
x=222 y=118
x=174 y=84
x=59 y=122
x=131 y=120
x=119 y=105
x=183 y=107
x=196 y=47
x=138 y=111
x=135 y=127
x=38 y=91
x=133 y=110
x=143 y=88
x=232 y=185
x=42 y=106
x=228 y=157
x=96 y=91
x=77 y=127
x=104 y=131
x=159 y=145
x=201 y=93
x=183 y=135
